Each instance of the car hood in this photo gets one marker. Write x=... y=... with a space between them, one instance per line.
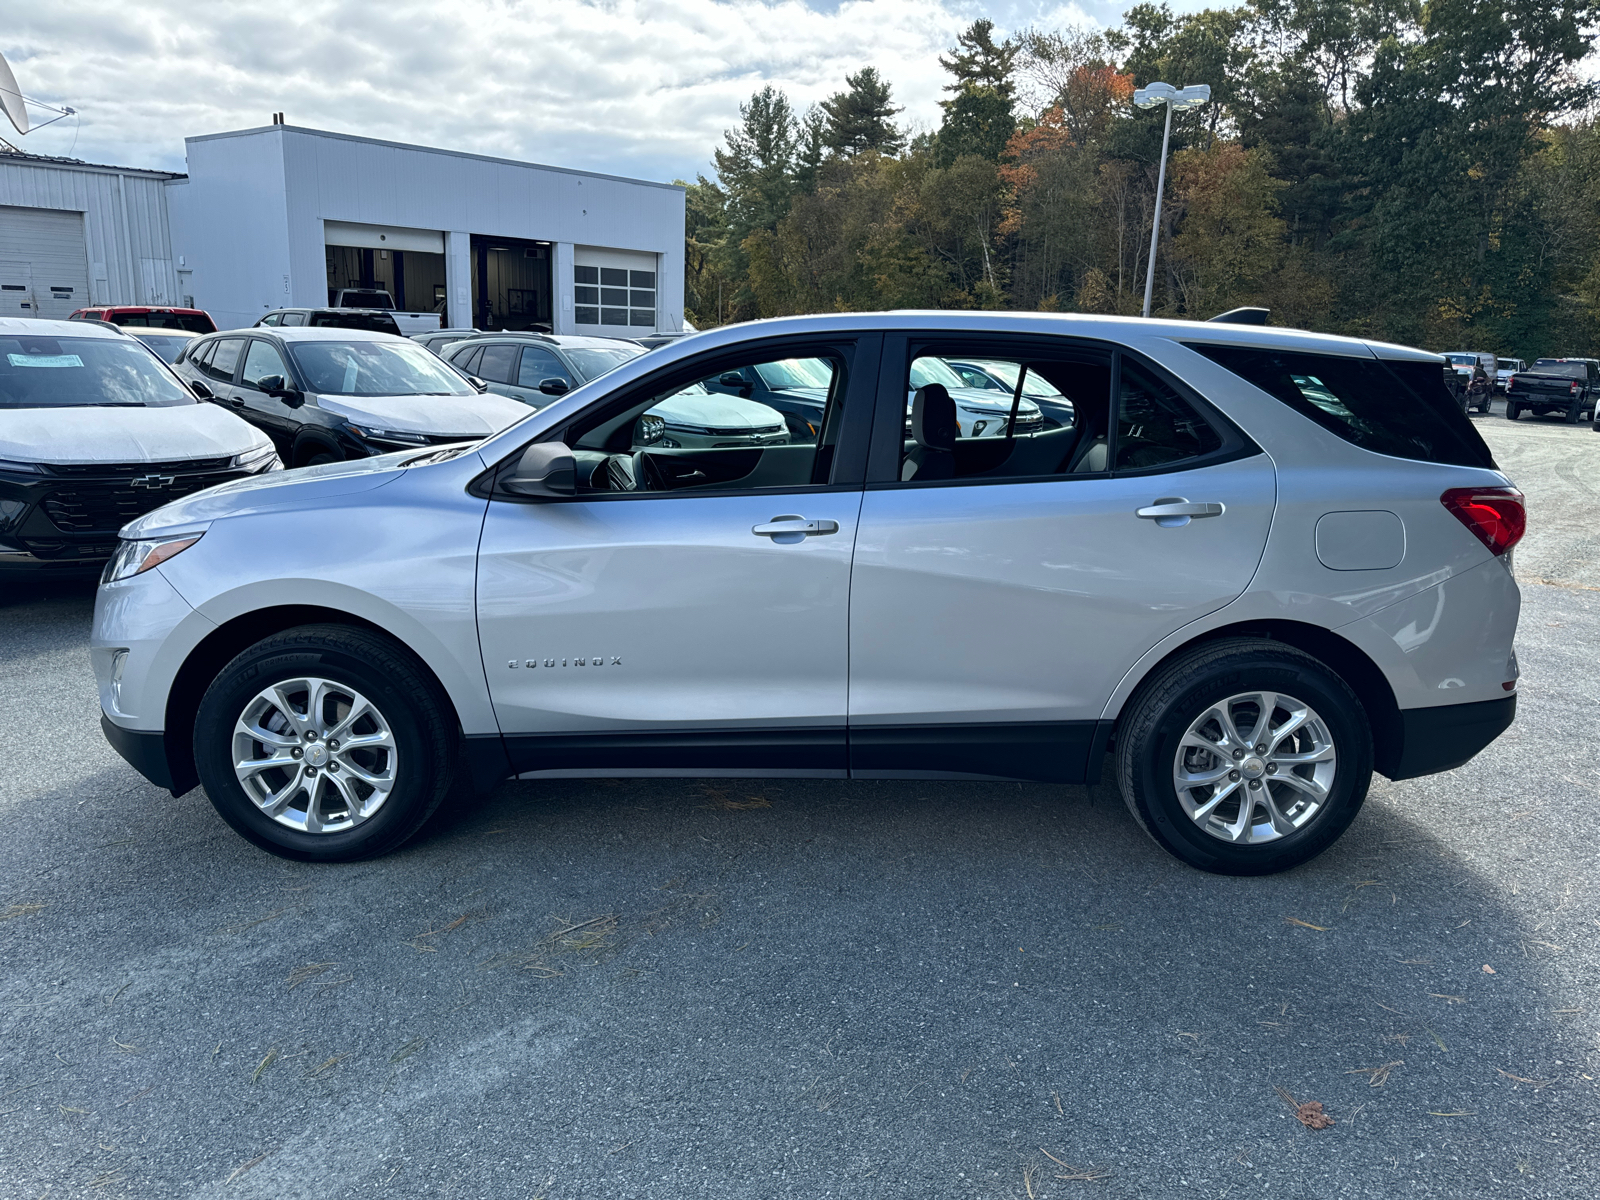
x=306 y=488
x=817 y=396
x=124 y=435
x=470 y=416
x=717 y=411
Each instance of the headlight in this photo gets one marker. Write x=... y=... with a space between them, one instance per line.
x=261 y=458
x=134 y=557
x=391 y=435
x=20 y=468
x=651 y=429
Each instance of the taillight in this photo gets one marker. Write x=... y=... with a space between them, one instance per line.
x=1495 y=515
x=1574 y=388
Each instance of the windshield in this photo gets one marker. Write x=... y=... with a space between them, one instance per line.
x=593 y=363
x=167 y=345
x=1462 y=360
x=375 y=369
x=39 y=372
x=1566 y=370
x=933 y=370
x=790 y=373
x=193 y=322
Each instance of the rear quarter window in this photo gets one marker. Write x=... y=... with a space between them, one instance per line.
x=1396 y=408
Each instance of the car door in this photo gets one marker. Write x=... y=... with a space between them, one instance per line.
x=685 y=609
x=539 y=364
x=1004 y=586
x=273 y=414
x=497 y=366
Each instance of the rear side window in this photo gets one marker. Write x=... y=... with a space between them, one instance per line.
x=1396 y=408
x=220 y=365
x=1155 y=427
x=499 y=364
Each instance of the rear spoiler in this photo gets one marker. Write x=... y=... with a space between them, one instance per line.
x=1242 y=316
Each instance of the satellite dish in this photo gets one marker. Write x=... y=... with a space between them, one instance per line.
x=11 y=98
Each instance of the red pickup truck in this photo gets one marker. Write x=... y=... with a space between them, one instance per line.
x=194 y=320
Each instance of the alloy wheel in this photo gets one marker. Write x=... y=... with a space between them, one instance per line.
x=1255 y=767
x=314 y=755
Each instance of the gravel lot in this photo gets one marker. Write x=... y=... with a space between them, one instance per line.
x=812 y=989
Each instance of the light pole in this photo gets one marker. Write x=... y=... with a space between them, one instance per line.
x=1181 y=99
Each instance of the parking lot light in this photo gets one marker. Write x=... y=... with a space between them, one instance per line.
x=1181 y=99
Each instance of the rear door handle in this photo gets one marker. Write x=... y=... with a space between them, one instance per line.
x=789 y=529
x=1173 y=511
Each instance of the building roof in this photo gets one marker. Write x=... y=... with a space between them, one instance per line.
x=22 y=157
x=510 y=162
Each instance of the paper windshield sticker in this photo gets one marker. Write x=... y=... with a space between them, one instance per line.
x=44 y=360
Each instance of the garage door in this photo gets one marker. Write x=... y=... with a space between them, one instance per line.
x=44 y=265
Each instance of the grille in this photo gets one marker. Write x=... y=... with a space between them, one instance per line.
x=105 y=508
x=118 y=470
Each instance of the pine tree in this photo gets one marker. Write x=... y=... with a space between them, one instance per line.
x=757 y=169
x=980 y=118
x=861 y=118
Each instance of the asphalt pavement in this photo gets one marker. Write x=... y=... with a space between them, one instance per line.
x=749 y=989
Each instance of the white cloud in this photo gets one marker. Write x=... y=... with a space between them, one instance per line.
x=641 y=87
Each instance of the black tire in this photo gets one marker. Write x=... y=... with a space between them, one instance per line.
x=415 y=707
x=1573 y=410
x=1160 y=713
x=1511 y=411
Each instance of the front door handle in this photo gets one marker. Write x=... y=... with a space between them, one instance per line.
x=790 y=529
x=1170 y=512
x=237 y=401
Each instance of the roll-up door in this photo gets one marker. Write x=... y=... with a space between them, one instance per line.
x=49 y=242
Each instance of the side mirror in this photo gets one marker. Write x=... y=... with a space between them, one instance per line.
x=546 y=469
x=480 y=384
x=554 y=387
x=272 y=385
x=201 y=390
x=732 y=379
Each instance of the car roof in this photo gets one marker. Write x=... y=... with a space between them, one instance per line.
x=44 y=327
x=316 y=333
x=140 y=308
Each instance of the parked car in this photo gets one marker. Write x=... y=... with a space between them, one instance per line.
x=1505 y=369
x=143 y=316
x=1220 y=571
x=327 y=394
x=980 y=412
x=995 y=376
x=1555 y=385
x=535 y=368
x=1467 y=364
x=539 y=368
x=168 y=343
x=377 y=320
x=95 y=430
x=437 y=339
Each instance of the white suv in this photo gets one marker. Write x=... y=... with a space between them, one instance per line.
x=1255 y=565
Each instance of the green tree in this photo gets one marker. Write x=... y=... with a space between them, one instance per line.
x=980 y=116
x=861 y=117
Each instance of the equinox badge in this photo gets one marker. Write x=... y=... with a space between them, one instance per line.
x=598 y=660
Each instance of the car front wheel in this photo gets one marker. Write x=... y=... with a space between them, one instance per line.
x=1245 y=757
x=326 y=744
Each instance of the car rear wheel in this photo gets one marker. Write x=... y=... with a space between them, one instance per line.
x=1511 y=410
x=325 y=744
x=1245 y=757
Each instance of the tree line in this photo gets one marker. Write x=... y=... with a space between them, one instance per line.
x=1420 y=171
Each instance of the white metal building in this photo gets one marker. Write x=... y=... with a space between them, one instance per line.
x=282 y=216
x=72 y=234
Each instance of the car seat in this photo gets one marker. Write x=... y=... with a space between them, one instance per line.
x=934 y=430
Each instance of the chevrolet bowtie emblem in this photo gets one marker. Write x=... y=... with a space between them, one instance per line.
x=599 y=660
x=152 y=481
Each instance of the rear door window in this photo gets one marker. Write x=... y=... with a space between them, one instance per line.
x=1398 y=408
x=499 y=364
x=221 y=364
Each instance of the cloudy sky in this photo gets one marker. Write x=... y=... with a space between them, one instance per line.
x=633 y=87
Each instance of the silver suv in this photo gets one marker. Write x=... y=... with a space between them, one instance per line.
x=1253 y=567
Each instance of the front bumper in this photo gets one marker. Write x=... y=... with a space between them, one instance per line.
x=146 y=752
x=1445 y=737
